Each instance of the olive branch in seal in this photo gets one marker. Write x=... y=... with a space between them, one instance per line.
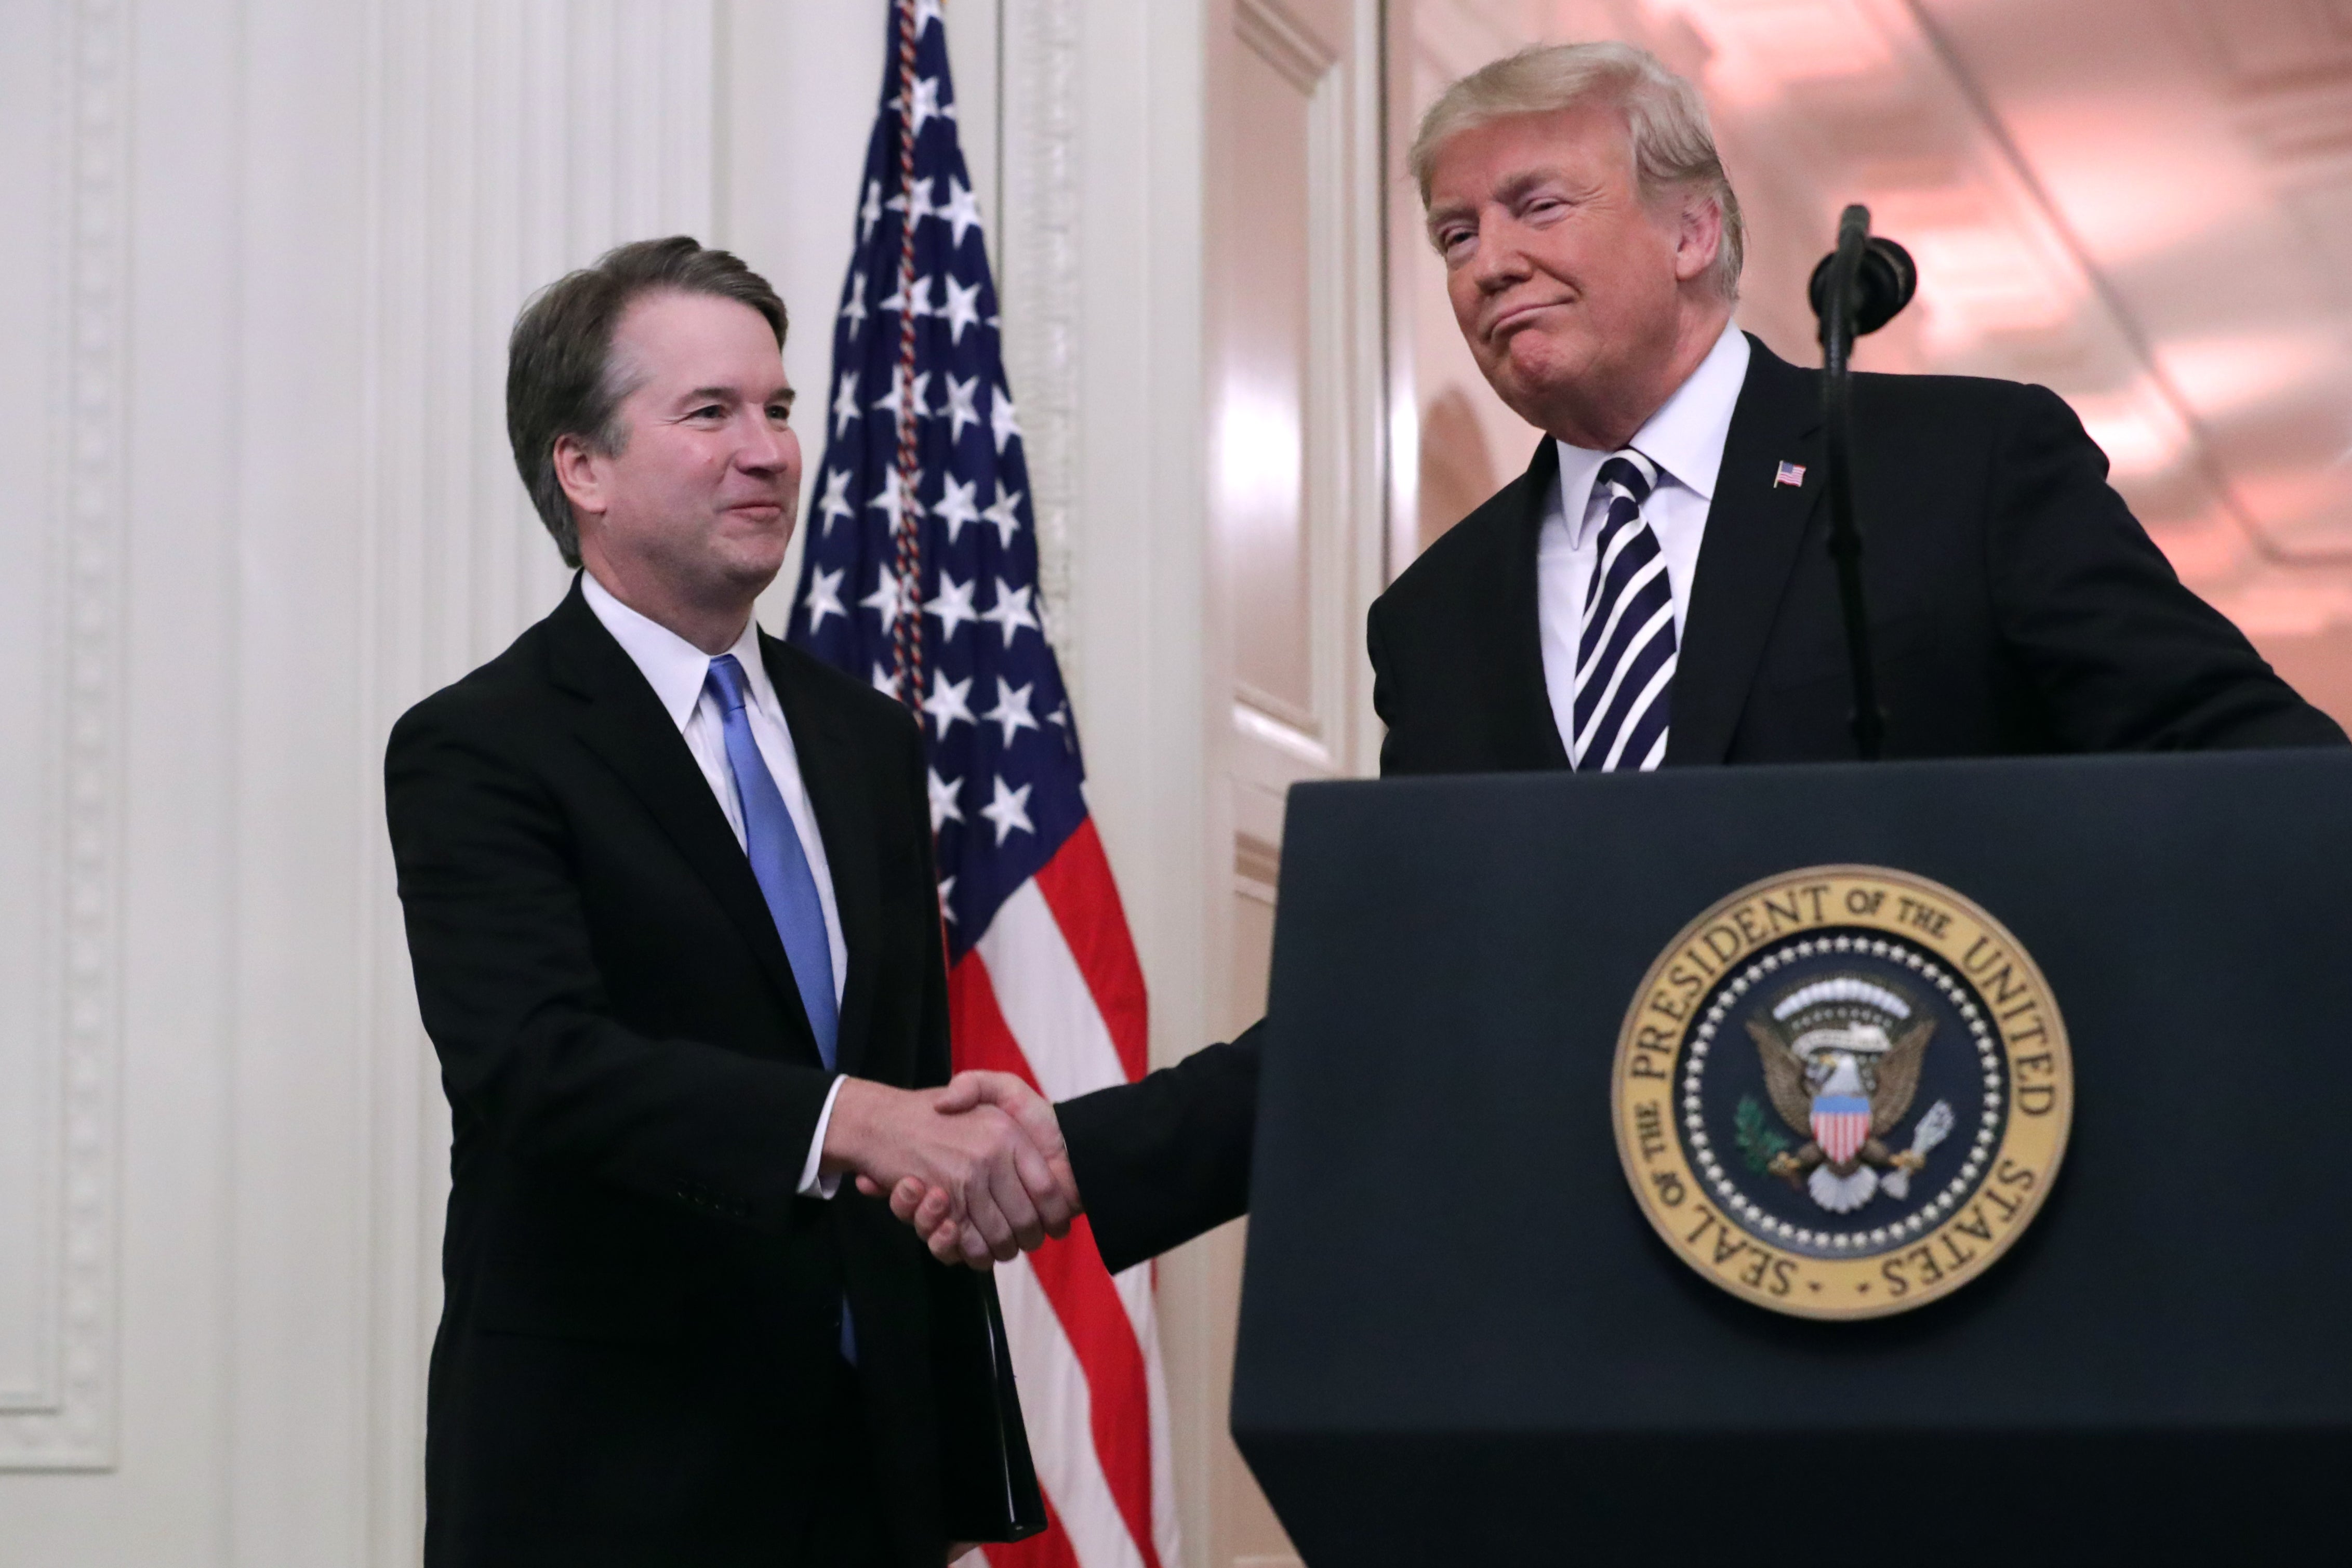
x=1758 y=1139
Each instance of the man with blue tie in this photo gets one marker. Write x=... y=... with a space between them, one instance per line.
x=676 y=937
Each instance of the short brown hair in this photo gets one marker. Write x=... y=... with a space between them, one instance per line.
x=1665 y=124
x=560 y=377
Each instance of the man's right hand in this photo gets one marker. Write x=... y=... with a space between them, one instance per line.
x=996 y=1191
x=953 y=1238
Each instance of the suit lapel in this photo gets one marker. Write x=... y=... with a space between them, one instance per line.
x=1520 y=679
x=843 y=802
x=623 y=722
x=1753 y=530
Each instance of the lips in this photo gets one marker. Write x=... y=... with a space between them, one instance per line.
x=1519 y=316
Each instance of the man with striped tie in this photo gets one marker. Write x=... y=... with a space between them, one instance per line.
x=671 y=911
x=1656 y=588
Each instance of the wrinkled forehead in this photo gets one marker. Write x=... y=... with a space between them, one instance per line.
x=1497 y=157
x=672 y=337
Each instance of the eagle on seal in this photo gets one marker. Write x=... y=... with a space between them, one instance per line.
x=1842 y=1057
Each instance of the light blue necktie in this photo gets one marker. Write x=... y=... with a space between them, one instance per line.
x=778 y=860
x=785 y=882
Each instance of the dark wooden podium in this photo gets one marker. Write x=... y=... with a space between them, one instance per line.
x=1461 y=1342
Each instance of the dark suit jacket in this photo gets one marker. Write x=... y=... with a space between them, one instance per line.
x=641 y=1316
x=2016 y=607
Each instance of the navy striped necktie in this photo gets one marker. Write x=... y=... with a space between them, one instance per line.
x=1625 y=649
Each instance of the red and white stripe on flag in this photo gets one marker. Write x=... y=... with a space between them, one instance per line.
x=1841 y=1125
x=1054 y=993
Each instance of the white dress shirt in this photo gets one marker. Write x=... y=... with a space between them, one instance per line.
x=678 y=671
x=1685 y=439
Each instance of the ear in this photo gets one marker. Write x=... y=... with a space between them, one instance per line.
x=581 y=472
x=1699 y=236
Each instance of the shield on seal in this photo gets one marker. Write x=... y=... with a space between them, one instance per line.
x=1841 y=1125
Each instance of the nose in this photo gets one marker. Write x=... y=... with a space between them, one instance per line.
x=1498 y=261
x=764 y=448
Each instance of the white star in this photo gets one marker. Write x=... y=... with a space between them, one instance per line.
x=947 y=899
x=823 y=599
x=943 y=800
x=954 y=606
x=869 y=212
x=922 y=301
x=919 y=206
x=897 y=400
x=949 y=701
x=927 y=106
x=1012 y=708
x=1060 y=715
x=884 y=681
x=885 y=601
x=845 y=402
x=926 y=12
x=954 y=506
x=1009 y=809
x=1003 y=516
x=855 y=308
x=1010 y=612
x=834 y=502
x=961 y=310
x=962 y=212
x=896 y=501
x=1002 y=419
x=963 y=400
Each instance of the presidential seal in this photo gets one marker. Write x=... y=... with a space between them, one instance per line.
x=1843 y=1092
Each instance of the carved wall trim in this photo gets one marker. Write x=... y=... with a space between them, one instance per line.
x=1039 y=238
x=70 y=1422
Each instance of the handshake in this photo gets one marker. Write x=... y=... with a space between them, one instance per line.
x=978 y=1168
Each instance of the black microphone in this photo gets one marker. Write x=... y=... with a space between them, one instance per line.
x=1884 y=281
x=1858 y=289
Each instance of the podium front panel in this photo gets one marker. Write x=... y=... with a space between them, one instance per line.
x=1461 y=1341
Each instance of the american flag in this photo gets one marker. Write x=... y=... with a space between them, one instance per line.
x=920 y=574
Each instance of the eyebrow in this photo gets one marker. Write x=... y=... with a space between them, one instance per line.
x=729 y=395
x=1519 y=185
x=1509 y=191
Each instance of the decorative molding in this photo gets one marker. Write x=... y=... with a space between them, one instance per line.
x=506 y=143
x=1039 y=287
x=70 y=1423
x=1284 y=42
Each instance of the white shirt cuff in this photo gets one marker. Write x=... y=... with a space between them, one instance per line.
x=812 y=1184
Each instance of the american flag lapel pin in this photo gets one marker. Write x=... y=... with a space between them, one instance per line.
x=1790 y=474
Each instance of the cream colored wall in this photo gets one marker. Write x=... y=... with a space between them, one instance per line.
x=260 y=280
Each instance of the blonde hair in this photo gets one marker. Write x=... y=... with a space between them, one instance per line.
x=1666 y=122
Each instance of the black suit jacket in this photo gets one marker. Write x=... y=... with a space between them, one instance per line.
x=641 y=1316
x=2017 y=608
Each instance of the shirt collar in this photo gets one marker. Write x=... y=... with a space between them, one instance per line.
x=1685 y=438
x=672 y=666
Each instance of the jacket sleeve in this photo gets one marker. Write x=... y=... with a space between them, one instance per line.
x=506 y=979
x=2122 y=655
x=1166 y=1158
x=1385 y=690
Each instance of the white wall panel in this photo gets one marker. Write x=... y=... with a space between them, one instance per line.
x=256 y=499
x=61 y=785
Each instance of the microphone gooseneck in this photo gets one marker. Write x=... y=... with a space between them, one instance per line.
x=1858 y=289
